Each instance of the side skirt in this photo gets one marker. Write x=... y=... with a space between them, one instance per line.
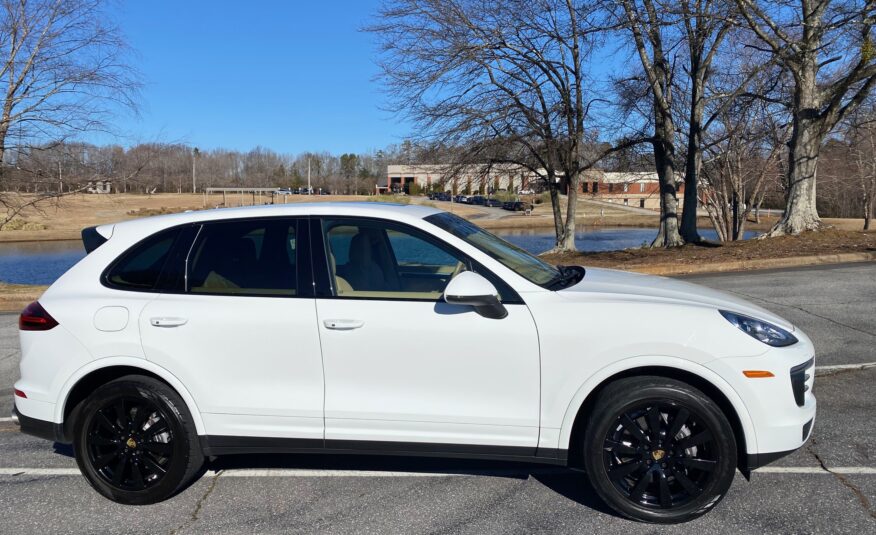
x=228 y=445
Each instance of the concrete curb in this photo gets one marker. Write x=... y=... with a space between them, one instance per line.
x=755 y=264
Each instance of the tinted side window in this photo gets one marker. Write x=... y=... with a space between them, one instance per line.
x=245 y=258
x=377 y=260
x=140 y=267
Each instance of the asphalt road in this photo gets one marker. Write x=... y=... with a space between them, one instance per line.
x=827 y=487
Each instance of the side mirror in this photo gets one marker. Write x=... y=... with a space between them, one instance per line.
x=469 y=288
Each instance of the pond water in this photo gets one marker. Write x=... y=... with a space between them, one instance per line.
x=592 y=239
x=43 y=262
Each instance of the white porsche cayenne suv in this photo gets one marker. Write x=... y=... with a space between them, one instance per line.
x=401 y=330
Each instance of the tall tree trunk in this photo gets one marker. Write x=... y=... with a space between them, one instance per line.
x=801 y=213
x=568 y=241
x=868 y=209
x=807 y=134
x=668 y=234
x=555 y=208
x=692 y=168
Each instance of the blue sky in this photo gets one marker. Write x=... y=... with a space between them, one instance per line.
x=291 y=76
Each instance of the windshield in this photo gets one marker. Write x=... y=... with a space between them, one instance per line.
x=514 y=258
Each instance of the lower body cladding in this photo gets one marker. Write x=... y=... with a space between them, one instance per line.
x=227 y=445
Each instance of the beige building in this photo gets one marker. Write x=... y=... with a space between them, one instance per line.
x=472 y=179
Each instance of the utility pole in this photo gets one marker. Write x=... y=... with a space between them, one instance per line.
x=309 y=190
x=195 y=154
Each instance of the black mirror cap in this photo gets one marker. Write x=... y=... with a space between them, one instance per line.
x=488 y=306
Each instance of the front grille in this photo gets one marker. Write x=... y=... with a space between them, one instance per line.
x=800 y=380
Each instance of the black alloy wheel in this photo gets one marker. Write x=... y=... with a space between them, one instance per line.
x=130 y=443
x=658 y=450
x=135 y=441
x=659 y=455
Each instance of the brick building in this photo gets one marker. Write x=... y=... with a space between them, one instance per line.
x=640 y=189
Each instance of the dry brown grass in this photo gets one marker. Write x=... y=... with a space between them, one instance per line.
x=810 y=244
x=14 y=297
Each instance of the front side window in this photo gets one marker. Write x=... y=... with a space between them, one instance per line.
x=140 y=267
x=256 y=258
x=514 y=258
x=372 y=259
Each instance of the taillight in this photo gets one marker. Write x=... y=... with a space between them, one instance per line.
x=35 y=318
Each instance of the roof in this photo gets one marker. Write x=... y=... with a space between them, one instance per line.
x=398 y=212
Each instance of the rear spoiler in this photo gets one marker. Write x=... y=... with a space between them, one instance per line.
x=93 y=237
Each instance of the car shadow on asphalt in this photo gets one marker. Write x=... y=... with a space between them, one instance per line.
x=571 y=484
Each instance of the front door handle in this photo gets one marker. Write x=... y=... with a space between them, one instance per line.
x=343 y=325
x=167 y=322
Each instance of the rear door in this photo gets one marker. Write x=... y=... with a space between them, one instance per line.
x=241 y=332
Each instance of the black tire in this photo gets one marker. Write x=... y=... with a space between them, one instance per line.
x=135 y=442
x=658 y=450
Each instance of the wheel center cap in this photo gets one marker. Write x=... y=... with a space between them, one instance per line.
x=658 y=454
x=131 y=443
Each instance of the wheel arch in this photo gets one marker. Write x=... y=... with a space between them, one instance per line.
x=101 y=371
x=574 y=424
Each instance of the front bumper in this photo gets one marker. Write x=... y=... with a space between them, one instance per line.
x=781 y=408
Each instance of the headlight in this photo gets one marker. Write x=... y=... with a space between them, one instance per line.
x=761 y=330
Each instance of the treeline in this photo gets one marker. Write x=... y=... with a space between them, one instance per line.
x=179 y=168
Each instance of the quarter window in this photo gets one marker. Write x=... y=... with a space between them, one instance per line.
x=256 y=258
x=140 y=267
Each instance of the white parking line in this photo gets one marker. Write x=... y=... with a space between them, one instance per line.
x=838 y=367
x=296 y=472
x=6 y=419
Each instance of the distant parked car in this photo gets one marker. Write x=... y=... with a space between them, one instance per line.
x=517 y=206
x=463 y=199
x=526 y=192
x=479 y=200
x=284 y=191
x=493 y=203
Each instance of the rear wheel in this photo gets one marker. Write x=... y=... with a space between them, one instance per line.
x=135 y=442
x=659 y=450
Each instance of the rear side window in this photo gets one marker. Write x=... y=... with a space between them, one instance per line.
x=140 y=267
x=254 y=258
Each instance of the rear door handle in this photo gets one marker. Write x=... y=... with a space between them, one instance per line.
x=343 y=325
x=167 y=322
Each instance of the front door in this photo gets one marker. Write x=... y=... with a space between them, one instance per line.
x=403 y=366
x=240 y=335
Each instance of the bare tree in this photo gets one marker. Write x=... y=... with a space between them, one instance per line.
x=706 y=24
x=504 y=80
x=63 y=69
x=826 y=47
x=861 y=138
x=743 y=150
x=646 y=22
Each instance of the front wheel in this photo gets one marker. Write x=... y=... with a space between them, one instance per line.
x=659 y=450
x=135 y=442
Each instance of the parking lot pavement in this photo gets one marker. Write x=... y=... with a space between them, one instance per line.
x=834 y=304
x=42 y=493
